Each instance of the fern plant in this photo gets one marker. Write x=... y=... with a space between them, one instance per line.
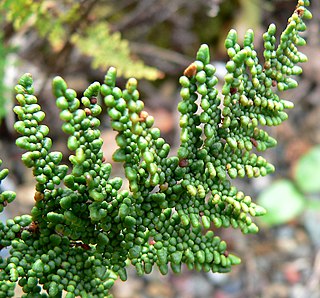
x=85 y=227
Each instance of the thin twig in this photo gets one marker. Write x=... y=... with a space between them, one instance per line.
x=161 y=53
x=313 y=284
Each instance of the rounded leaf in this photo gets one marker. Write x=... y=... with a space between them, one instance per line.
x=282 y=201
x=307 y=174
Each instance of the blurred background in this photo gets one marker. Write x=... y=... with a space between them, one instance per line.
x=154 y=41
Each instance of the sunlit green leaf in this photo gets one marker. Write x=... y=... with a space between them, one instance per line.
x=307 y=174
x=282 y=201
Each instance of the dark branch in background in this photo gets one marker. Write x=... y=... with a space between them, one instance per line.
x=163 y=59
x=58 y=60
x=148 y=14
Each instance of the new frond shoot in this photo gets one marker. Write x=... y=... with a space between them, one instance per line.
x=85 y=227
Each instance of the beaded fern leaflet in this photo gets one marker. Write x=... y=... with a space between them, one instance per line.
x=85 y=227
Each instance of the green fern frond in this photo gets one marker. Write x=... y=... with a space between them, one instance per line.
x=19 y=12
x=47 y=18
x=55 y=23
x=108 y=48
